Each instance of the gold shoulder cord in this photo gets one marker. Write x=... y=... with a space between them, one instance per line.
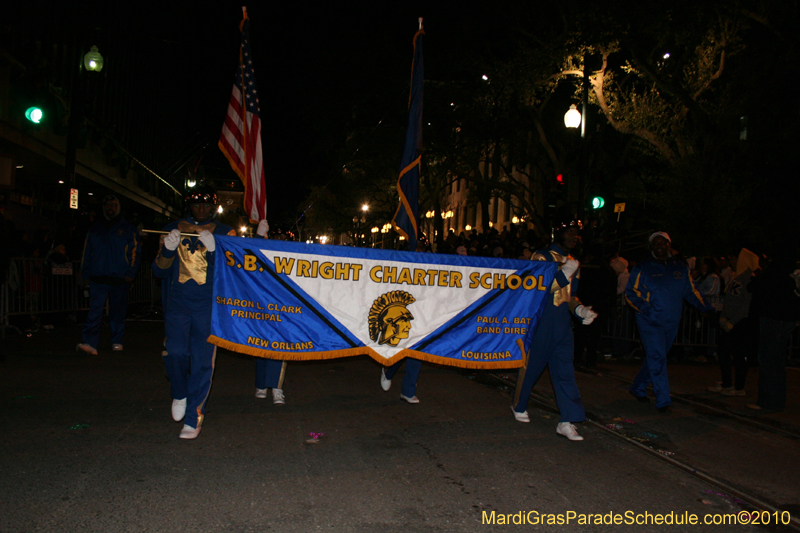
x=560 y=294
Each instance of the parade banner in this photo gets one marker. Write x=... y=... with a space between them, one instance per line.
x=294 y=301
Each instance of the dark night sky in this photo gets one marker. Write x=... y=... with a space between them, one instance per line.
x=319 y=67
x=316 y=68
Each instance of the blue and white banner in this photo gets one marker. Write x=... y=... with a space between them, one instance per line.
x=288 y=300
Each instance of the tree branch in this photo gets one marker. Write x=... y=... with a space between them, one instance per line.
x=623 y=127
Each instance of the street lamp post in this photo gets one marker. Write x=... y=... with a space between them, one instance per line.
x=384 y=230
x=93 y=62
x=358 y=225
x=584 y=161
x=574 y=118
x=430 y=225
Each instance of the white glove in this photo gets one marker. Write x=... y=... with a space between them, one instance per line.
x=586 y=313
x=207 y=238
x=263 y=228
x=570 y=267
x=172 y=240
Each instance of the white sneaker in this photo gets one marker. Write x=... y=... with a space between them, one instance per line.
x=116 y=347
x=188 y=432
x=261 y=393
x=567 y=429
x=178 y=409
x=413 y=399
x=385 y=383
x=521 y=417
x=277 y=397
x=86 y=348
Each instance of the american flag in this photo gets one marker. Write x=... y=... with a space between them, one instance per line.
x=241 y=132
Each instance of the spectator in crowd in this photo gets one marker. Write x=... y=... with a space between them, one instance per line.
x=656 y=290
x=725 y=269
x=5 y=260
x=111 y=257
x=597 y=289
x=524 y=252
x=32 y=270
x=739 y=338
x=707 y=280
x=620 y=266
x=776 y=300
x=452 y=239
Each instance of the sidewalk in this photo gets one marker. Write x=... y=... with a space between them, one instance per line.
x=690 y=381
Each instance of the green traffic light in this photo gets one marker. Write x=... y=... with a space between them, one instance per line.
x=34 y=114
x=598 y=202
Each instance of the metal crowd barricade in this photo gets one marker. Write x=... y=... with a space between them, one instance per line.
x=694 y=330
x=37 y=286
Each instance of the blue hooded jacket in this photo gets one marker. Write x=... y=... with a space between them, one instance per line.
x=111 y=251
x=656 y=289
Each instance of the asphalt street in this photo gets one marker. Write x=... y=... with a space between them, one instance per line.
x=88 y=444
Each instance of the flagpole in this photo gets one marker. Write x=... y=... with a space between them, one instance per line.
x=246 y=182
x=161 y=232
x=405 y=218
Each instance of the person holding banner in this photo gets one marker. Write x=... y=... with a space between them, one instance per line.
x=553 y=344
x=408 y=389
x=269 y=372
x=186 y=264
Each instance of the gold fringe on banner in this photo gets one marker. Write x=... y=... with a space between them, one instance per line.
x=365 y=350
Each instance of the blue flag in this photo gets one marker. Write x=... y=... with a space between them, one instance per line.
x=405 y=219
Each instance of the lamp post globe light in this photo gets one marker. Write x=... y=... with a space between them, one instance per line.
x=93 y=61
x=572 y=118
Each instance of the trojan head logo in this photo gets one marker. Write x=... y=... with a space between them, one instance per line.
x=389 y=320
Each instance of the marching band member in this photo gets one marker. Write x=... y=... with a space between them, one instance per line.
x=553 y=344
x=656 y=290
x=111 y=258
x=269 y=372
x=186 y=264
